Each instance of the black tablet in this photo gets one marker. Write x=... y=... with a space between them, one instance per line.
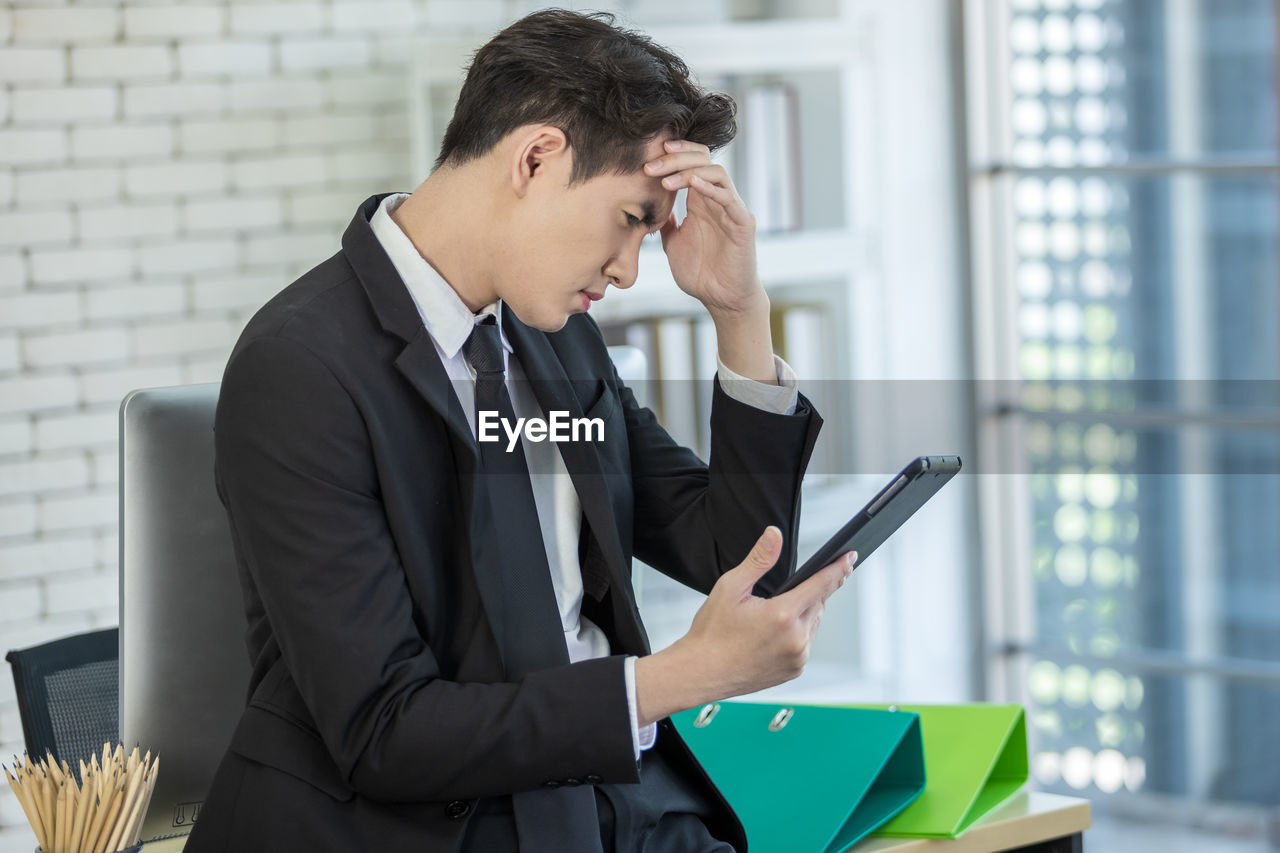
x=886 y=512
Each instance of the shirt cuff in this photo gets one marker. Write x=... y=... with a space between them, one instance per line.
x=641 y=738
x=780 y=398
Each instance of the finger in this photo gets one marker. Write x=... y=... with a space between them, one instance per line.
x=713 y=173
x=669 y=164
x=826 y=581
x=728 y=199
x=762 y=557
x=685 y=145
x=668 y=229
x=812 y=618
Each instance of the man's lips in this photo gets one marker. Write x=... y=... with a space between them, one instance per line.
x=595 y=297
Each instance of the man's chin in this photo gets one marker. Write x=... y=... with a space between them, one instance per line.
x=549 y=324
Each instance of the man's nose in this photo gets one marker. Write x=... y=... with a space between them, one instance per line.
x=623 y=267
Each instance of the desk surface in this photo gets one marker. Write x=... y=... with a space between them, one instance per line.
x=1027 y=817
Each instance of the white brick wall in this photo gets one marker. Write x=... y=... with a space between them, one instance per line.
x=91 y=346
x=39 y=187
x=33 y=65
x=65 y=266
x=177 y=177
x=314 y=54
x=25 y=147
x=121 y=62
x=270 y=95
x=164 y=169
x=121 y=142
x=36 y=226
x=108 y=223
x=224 y=57
x=147 y=100
x=65 y=26
x=161 y=23
x=272 y=18
x=31 y=105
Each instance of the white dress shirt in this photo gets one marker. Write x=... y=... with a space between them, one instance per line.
x=449 y=322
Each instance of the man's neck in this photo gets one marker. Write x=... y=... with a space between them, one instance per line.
x=442 y=220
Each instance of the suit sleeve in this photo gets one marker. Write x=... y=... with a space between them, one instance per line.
x=297 y=475
x=693 y=521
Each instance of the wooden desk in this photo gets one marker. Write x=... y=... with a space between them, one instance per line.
x=1031 y=821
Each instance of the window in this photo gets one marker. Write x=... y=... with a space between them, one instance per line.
x=1124 y=203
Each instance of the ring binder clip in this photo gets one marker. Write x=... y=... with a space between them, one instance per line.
x=706 y=715
x=780 y=720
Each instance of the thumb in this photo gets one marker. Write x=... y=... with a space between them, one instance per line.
x=762 y=557
x=668 y=229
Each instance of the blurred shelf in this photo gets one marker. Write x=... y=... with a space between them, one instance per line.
x=769 y=45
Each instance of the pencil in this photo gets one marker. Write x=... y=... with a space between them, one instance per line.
x=99 y=819
x=115 y=839
x=46 y=788
x=136 y=833
x=28 y=805
x=134 y=817
x=82 y=809
x=117 y=799
x=60 y=820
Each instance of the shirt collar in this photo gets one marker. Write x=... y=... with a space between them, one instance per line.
x=445 y=315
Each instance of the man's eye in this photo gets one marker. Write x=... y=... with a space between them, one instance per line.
x=632 y=221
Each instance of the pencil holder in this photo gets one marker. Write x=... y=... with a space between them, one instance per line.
x=96 y=810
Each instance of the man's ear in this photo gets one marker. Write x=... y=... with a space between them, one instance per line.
x=539 y=150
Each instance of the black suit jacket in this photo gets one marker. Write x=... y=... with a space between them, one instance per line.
x=378 y=712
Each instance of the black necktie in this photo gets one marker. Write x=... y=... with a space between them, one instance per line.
x=552 y=820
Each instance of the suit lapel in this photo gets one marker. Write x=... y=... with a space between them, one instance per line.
x=420 y=365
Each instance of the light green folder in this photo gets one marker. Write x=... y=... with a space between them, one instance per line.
x=976 y=757
x=807 y=779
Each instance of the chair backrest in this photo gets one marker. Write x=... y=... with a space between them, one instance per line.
x=184 y=671
x=68 y=695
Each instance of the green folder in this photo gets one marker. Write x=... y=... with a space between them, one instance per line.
x=807 y=779
x=976 y=756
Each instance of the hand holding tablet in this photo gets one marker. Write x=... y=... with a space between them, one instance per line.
x=885 y=513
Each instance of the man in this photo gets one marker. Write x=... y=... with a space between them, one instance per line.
x=446 y=649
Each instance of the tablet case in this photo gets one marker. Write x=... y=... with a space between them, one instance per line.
x=807 y=779
x=976 y=757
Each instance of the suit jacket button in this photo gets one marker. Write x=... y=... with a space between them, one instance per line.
x=551 y=783
x=592 y=779
x=571 y=781
x=458 y=809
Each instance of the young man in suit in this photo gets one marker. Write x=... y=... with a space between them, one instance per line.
x=446 y=650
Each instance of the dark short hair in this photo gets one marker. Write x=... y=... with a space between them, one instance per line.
x=610 y=90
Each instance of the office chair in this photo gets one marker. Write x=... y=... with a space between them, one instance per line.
x=68 y=695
